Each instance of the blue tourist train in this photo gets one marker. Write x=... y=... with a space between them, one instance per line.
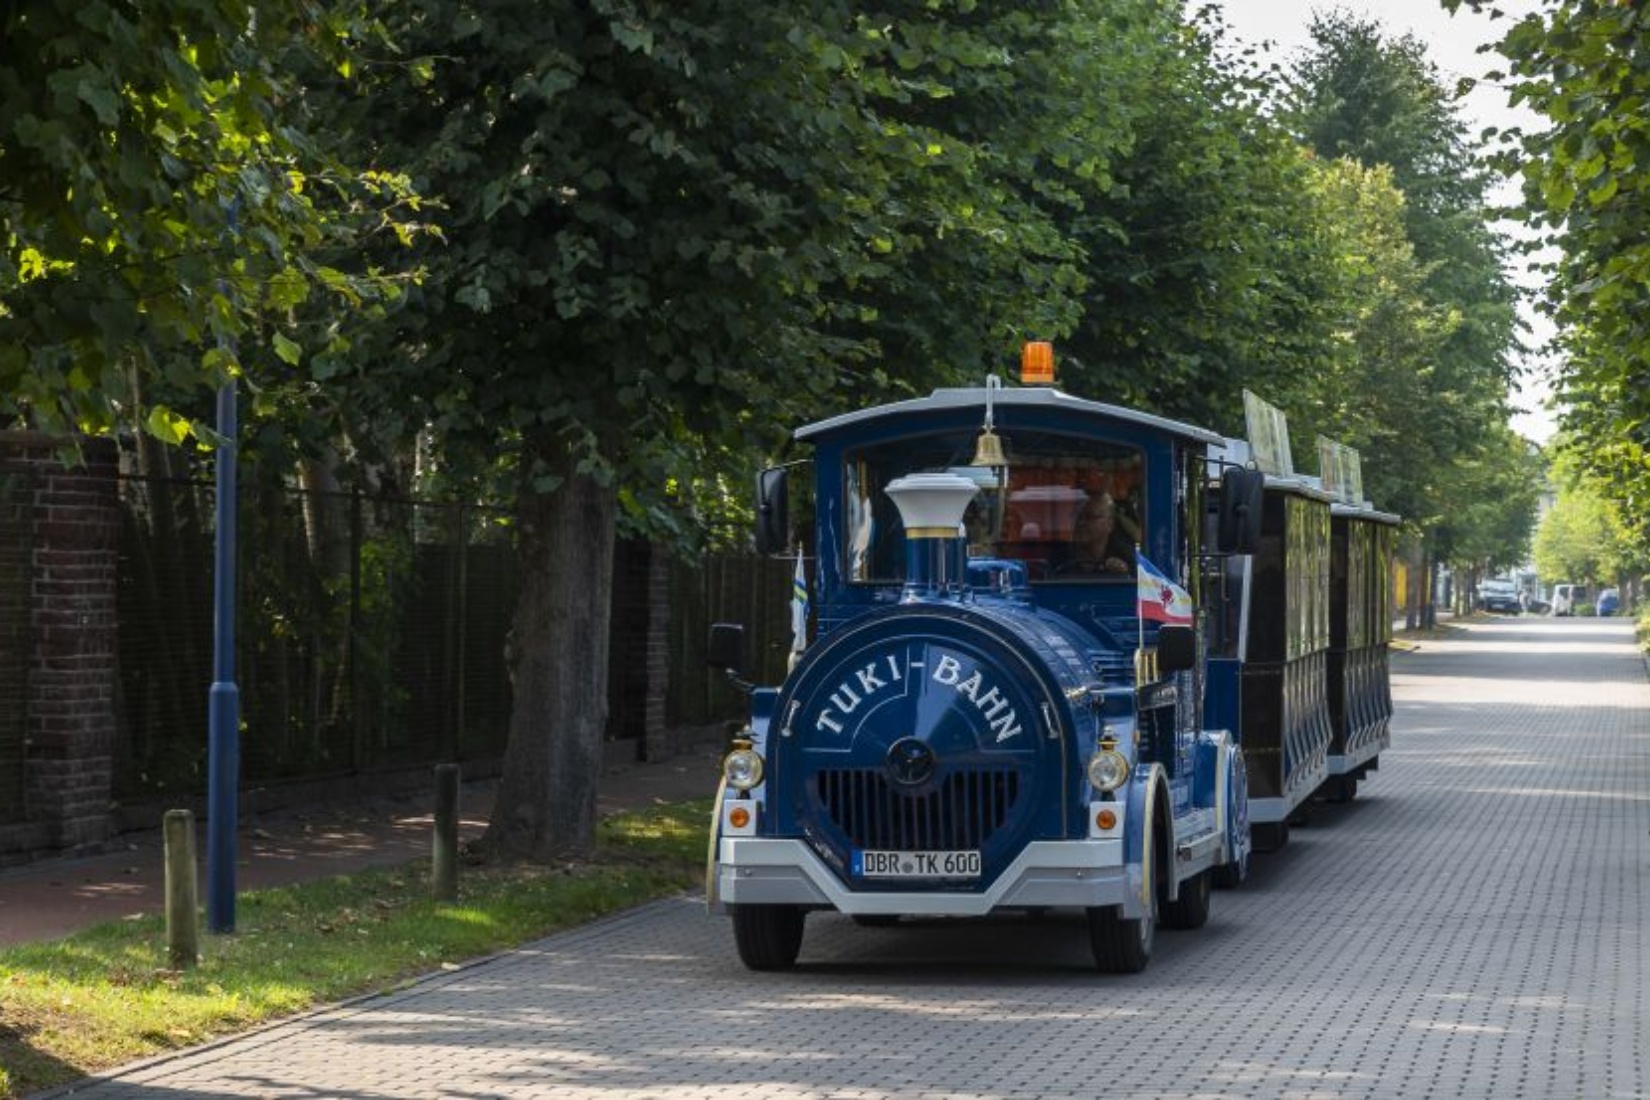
x=1057 y=655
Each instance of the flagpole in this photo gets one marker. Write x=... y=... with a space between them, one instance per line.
x=1140 y=617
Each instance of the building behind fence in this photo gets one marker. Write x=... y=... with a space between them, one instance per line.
x=370 y=642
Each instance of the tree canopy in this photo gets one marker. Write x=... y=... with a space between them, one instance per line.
x=1433 y=329
x=159 y=199
x=600 y=258
x=672 y=231
x=1584 y=67
x=1585 y=537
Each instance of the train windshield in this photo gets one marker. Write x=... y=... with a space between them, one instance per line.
x=1071 y=508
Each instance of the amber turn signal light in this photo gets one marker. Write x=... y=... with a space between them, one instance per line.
x=739 y=817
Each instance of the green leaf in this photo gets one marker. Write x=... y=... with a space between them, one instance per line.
x=633 y=37
x=167 y=426
x=288 y=350
x=94 y=91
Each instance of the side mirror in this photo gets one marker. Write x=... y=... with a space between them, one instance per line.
x=1242 y=492
x=726 y=649
x=773 y=521
x=1176 y=648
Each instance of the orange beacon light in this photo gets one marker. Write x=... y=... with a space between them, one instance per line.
x=1037 y=363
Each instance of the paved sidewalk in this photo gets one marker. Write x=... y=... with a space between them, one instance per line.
x=1471 y=927
x=53 y=898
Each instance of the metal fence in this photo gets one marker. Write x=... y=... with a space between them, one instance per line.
x=739 y=588
x=370 y=633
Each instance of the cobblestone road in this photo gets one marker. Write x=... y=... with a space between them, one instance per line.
x=1470 y=927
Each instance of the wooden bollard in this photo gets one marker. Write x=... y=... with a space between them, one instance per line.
x=182 y=905
x=444 y=848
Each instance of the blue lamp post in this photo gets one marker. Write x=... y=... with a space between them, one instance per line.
x=224 y=700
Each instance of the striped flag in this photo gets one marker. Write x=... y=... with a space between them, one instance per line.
x=799 y=611
x=1161 y=600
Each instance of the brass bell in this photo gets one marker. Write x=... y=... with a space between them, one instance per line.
x=988 y=450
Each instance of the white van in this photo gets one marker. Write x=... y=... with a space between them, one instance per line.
x=1567 y=596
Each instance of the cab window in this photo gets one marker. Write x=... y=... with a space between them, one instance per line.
x=1070 y=508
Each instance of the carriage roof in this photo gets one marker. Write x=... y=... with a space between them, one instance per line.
x=1033 y=399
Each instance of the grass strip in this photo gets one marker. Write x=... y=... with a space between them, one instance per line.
x=105 y=997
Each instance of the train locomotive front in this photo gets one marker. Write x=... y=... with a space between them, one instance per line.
x=975 y=731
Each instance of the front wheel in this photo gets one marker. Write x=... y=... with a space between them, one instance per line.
x=1122 y=946
x=768 y=936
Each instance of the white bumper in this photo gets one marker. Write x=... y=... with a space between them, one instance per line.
x=1085 y=873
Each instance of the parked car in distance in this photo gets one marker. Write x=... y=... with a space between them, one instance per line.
x=1567 y=596
x=1499 y=596
x=1609 y=602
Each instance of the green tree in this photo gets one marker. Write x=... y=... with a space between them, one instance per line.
x=1584 y=66
x=1498 y=490
x=1373 y=386
x=676 y=229
x=1381 y=102
x=1205 y=272
x=159 y=200
x=1585 y=537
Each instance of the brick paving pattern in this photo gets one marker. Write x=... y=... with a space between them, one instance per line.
x=1471 y=926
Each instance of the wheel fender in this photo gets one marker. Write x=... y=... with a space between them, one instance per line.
x=1149 y=791
x=713 y=903
x=1232 y=799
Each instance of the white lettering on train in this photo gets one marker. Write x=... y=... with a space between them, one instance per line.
x=990 y=703
x=864 y=683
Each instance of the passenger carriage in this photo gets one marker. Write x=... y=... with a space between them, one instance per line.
x=1359 y=685
x=1269 y=663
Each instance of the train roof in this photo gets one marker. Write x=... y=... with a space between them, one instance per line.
x=1300 y=485
x=1364 y=511
x=1027 y=397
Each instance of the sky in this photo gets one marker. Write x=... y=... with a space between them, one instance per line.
x=1451 y=43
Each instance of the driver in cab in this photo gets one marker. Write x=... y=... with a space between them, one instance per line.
x=1099 y=546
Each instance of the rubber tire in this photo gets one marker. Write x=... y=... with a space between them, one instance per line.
x=1270 y=836
x=1122 y=946
x=1191 y=909
x=1229 y=876
x=768 y=936
x=1340 y=789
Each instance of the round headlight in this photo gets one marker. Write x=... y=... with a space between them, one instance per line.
x=1108 y=770
x=743 y=769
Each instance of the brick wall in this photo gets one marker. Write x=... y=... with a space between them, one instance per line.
x=655 y=729
x=58 y=569
x=639 y=652
x=16 y=651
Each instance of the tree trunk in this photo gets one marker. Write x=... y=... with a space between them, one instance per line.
x=546 y=806
x=1414 y=578
x=1429 y=608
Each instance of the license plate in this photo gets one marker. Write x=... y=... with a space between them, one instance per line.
x=870 y=864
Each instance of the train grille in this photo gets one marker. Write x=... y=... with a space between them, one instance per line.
x=960 y=814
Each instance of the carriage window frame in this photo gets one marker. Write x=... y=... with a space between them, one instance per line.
x=1029 y=515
